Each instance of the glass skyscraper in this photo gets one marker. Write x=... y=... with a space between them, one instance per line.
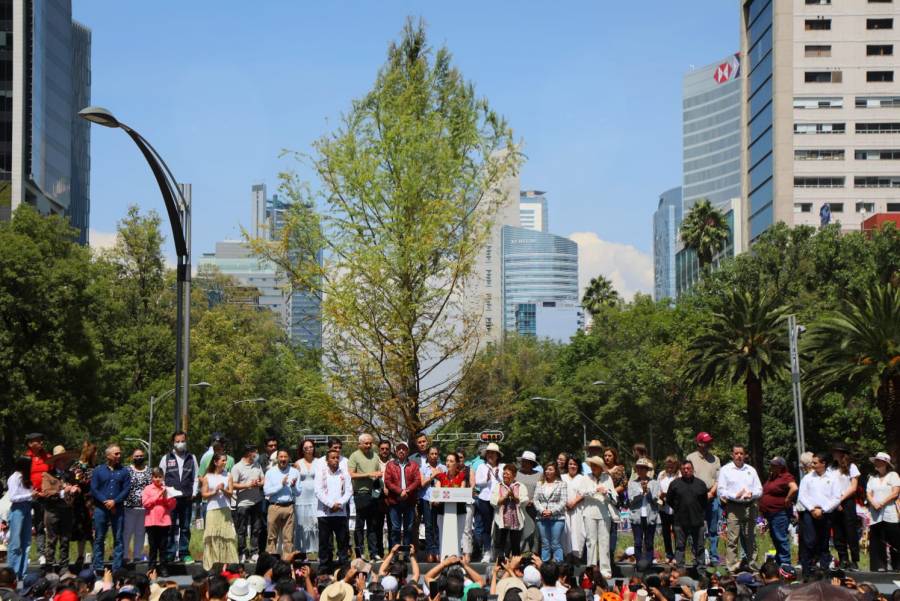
x=537 y=267
x=758 y=15
x=666 y=220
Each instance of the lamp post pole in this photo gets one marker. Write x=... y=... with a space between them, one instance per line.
x=178 y=210
x=153 y=401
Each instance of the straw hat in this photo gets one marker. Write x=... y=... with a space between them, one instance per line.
x=337 y=591
x=882 y=456
x=493 y=447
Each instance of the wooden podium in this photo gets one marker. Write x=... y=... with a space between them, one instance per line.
x=452 y=521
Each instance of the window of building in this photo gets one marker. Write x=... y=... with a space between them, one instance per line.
x=865 y=207
x=880 y=1
x=877 y=181
x=879 y=23
x=836 y=207
x=815 y=181
x=819 y=154
x=487 y=277
x=817 y=50
x=818 y=1
x=893 y=207
x=877 y=155
x=819 y=24
x=823 y=77
x=879 y=50
x=874 y=102
x=878 y=128
x=803 y=207
x=876 y=76
x=818 y=103
x=820 y=128
x=487 y=252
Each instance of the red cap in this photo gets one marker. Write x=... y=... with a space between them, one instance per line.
x=703 y=437
x=66 y=595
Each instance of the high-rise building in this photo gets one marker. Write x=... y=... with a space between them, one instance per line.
x=549 y=319
x=821 y=111
x=666 y=220
x=533 y=210
x=537 y=267
x=44 y=149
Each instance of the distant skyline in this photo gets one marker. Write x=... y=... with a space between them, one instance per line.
x=594 y=92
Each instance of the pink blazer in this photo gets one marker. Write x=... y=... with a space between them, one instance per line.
x=159 y=508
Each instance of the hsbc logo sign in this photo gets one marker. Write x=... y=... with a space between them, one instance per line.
x=729 y=70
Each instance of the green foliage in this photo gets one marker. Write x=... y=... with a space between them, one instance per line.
x=600 y=293
x=704 y=230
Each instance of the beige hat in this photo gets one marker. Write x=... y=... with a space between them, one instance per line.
x=493 y=447
x=882 y=456
x=510 y=582
x=61 y=454
x=337 y=591
x=595 y=461
x=594 y=444
x=644 y=462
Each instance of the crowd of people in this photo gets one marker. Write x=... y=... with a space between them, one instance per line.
x=568 y=511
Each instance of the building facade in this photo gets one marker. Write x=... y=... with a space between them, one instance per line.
x=537 y=267
x=44 y=151
x=821 y=113
x=533 y=214
x=666 y=220
x=549 y=320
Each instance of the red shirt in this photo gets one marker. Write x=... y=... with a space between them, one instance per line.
x=458 y=481
x=39 y=467
x=775 y=491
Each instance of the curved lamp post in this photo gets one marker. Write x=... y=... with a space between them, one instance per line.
x=179 y=213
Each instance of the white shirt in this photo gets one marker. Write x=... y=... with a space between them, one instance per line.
x=319 y=463
x=486 y=478
x=732 y=479
x=332 y=487
x=665 y=479
x=553 y=593
x=819 y=491
x=843 y=478
x=219 y=501
x=17 y=493
x=881 y=489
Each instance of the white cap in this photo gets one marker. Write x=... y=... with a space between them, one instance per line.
x=529 y=456
x=389 y=583
x=531 y=576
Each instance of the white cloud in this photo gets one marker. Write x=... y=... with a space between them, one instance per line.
x=629 y=269
x=101 y=240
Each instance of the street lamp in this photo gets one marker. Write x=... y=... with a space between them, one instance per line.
x=238 y=402
x=179 y=211
x=153 y=401
x=144 y=443
x=584 y=416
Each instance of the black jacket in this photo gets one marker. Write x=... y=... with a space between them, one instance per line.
x=688 y=499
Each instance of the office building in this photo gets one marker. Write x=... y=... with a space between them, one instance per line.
x=556 y=321
x=533 y=210
x=687 y=265
x=666 y=220
x=44 y=149
x=537 y=267
x=821 y=111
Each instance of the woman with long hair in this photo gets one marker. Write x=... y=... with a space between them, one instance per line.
x=306 y=528
x=20 y=494
x=576 y=487
x=882 y=491
x=219 y=535
x=667 y=525
x=845 y=522
x=81 y=473
x=550 y=498
x=455 y=476
x=619 y=478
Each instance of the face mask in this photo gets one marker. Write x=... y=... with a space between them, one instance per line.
x=139 y=460
x=180 y=446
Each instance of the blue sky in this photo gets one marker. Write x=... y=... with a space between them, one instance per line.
x=220 y=88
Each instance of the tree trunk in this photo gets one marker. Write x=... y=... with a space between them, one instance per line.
x=888 y=401
x=754 y=416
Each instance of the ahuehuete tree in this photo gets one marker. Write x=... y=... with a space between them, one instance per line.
x=705 y=231
x=857 y=350
x=409 y=183
x=744 y=342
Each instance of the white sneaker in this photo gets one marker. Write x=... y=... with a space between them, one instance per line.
x=87 y=557
x=42 y=560
x=254 y=558
x=486 y=558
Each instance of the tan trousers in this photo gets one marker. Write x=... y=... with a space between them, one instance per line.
x=280 y=522
x=740 y=527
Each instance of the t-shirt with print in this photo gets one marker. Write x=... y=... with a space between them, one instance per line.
x=553 y=593
x=139 y=481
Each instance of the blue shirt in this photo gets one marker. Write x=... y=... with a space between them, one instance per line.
x=110 y=484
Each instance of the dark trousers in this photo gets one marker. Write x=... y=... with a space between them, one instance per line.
x=339 y=528
x=884 y=537
x=428 y=517
x=367 y=527
x=156 y=539
x=667 y=526
x=402 y=517
x=815 y=542
x=682 y=534
x=180 y=530
x=249 y=517
x=37 y=518
x=644 y=532
x=58 y=527
x=104 y=520
x=508 y=542
x=381 y=519
x=846 y=530
x=485 y=511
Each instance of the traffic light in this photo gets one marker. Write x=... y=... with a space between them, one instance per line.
x=491 y=436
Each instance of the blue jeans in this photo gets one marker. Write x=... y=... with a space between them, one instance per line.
x=551 y=538
x=486 y=511
x=402 y=517
x=778 y=530
x=103 y=521
x=713 y=518
x=644 y=531
x=429 y=519
x=19 y=538
x=180 y=530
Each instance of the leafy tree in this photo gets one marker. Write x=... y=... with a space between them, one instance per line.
x=410 y=180
x=744 y=343
x=704 y=230
x=600 y=293
x=857 y=349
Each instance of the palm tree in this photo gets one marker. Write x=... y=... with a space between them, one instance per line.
x=599 y=294
x=745 y=342
x=704 y=230
x=858 y=348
